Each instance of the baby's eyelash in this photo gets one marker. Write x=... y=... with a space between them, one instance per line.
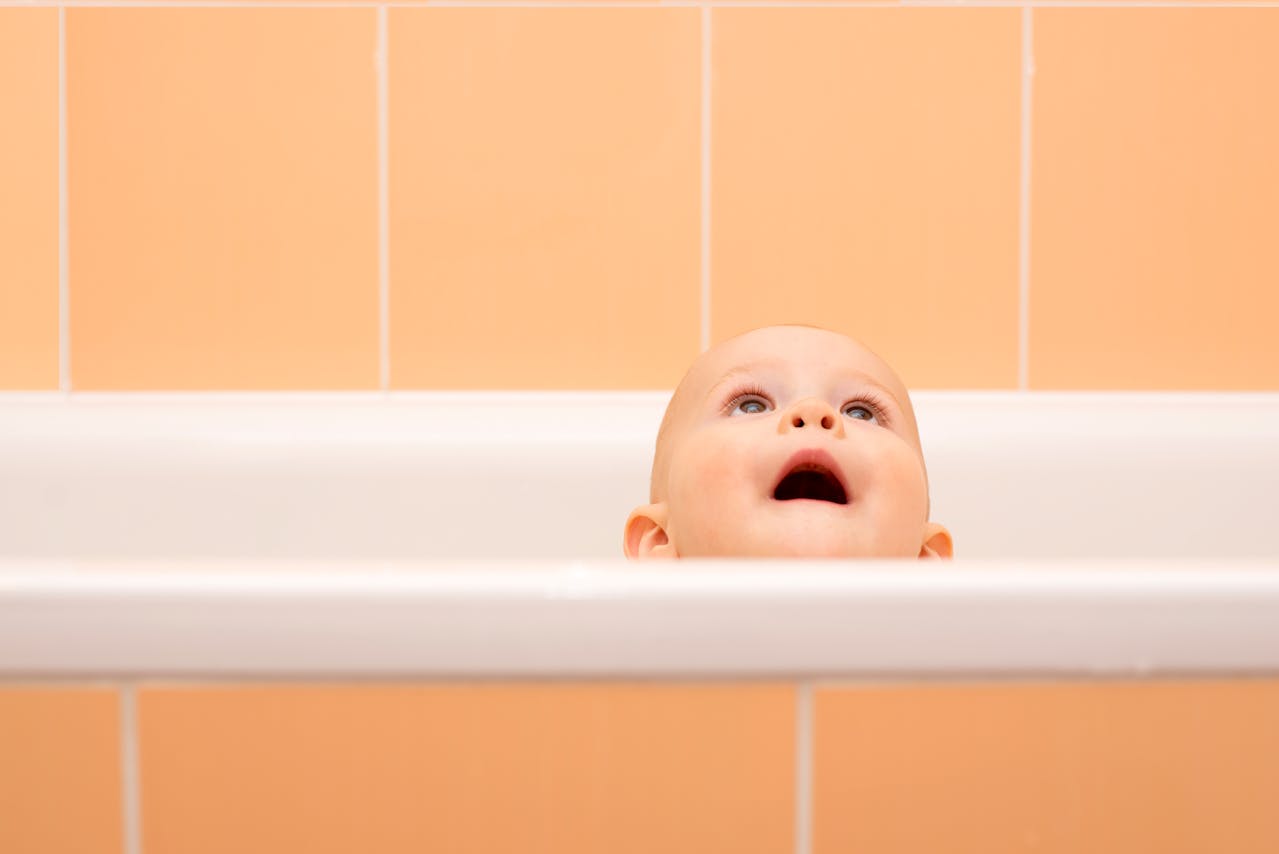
x=877 y=405
x=744 y=392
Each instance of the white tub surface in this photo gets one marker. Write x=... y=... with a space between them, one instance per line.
x=428 y=476
x=867 y=620
x=479 y=535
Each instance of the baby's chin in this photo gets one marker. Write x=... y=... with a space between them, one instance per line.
x=785 y=546
x=808 y=535
x=812 y=550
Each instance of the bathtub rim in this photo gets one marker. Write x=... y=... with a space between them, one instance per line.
x=878 y=620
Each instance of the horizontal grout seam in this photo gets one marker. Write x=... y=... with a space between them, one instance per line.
x=642 y=4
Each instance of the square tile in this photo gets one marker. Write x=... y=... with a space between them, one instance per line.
x=545 y=197
x=29 y=199
x=865 y=170
x=1109 y=767
x=1155 y=197
x=473 y=767
x=223 y=198
x=60 y=778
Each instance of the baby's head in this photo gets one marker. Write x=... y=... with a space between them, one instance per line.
x=788 y=441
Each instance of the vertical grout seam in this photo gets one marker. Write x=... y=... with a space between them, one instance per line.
x=64 y=288
x=706 y=181
x=383 y=205
x=1023 y=249
x=131 y=801
x=804 y=767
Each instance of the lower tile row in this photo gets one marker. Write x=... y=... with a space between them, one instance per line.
x=641 y=767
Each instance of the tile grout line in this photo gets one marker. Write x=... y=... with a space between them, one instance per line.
x=129 y=768
x=705 y=331
x=804 y=767
x=1023 y=237
x=649 y=4
x=384 y=356
x=446 y=397
x=383 y=204
x=64 y=281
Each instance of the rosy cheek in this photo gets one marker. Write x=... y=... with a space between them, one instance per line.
x=909 y=479
x=706 y=464
x=894 y=468
x=720 y=468
x=709 y=485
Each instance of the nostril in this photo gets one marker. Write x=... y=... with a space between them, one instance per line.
x=827 y=422
x=798 y=422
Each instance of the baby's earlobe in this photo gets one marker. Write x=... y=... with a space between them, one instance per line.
x=645 y=533
x=937 y=542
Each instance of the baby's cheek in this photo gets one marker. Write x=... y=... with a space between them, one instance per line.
x=709 y=486
x=701 y=481
x=704 y=466
x=895 y=474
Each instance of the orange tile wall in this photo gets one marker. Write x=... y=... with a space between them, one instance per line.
x=579 y=195
x=579 y=767
x=414 y=198
x=28 y=198
x=61 y=786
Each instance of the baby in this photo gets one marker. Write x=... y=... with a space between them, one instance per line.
x=788 y=441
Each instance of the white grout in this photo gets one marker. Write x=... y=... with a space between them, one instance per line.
x=1089 y=4
x=1023 y=238
x=706 y=181
x=64 y=255
x=804 y=767
x=586 y=397
x=651 y=4
x=339 y=4
x=383 y=205
x=131 y=801
x=64 y=351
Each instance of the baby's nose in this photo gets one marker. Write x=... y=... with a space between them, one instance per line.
x=811 y=412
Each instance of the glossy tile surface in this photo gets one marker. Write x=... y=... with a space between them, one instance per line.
x=223 y=198
x=60 y=775
x=28 y=198
x=480 y=767
x=865 y=178
x=1154 y=259
x=1110 y=768
x=544 y=201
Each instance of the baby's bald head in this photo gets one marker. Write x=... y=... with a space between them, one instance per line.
x=783 y=342
x=788 y=441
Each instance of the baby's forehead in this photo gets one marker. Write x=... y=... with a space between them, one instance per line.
x=800 y=353
x=794 y=351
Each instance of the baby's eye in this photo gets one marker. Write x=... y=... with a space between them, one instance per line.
x=860 y=412
x=751 y=404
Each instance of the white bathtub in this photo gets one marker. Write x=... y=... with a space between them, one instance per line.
x=351 y=534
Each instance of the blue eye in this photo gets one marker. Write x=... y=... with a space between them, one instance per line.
x=859 y=412
x=750 y=404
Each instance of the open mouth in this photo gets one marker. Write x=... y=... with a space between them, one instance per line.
x=814 y=479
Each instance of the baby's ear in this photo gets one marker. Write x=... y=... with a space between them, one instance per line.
x=645 y=534
x=937 y=542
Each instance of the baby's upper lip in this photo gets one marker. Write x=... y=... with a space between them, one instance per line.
x=815 y=458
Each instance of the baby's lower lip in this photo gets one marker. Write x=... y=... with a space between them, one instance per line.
x=808 y=501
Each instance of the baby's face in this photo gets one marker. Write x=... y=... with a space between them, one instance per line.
x=790 y=441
